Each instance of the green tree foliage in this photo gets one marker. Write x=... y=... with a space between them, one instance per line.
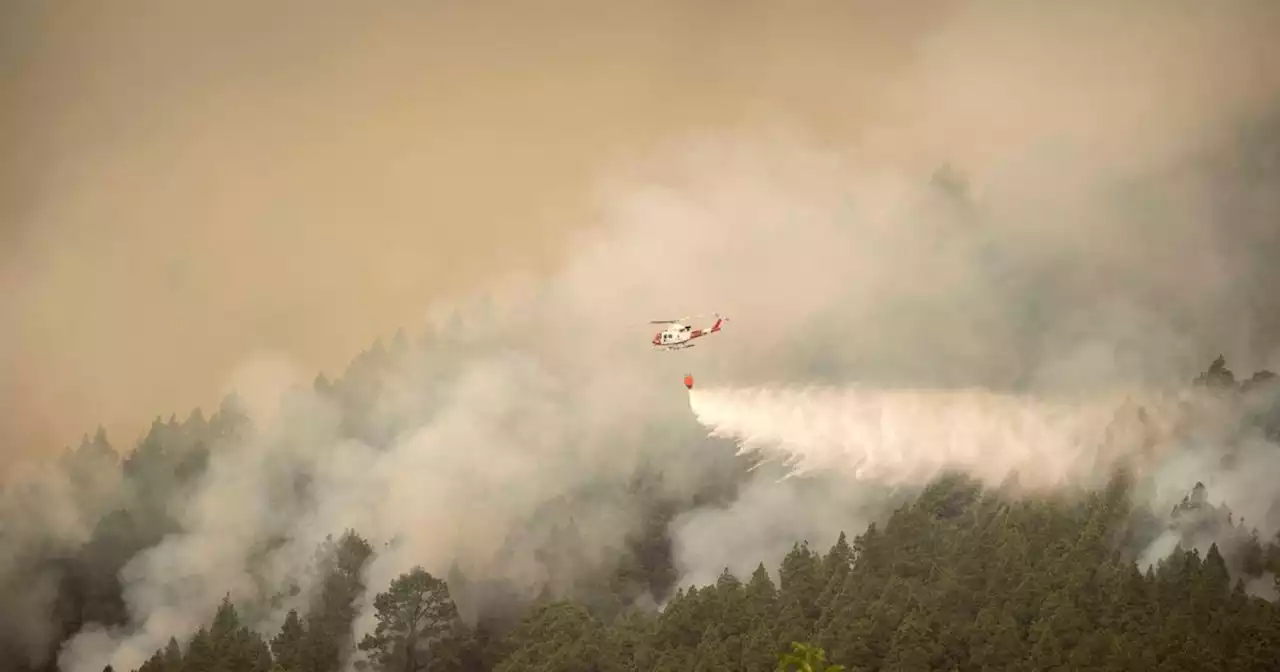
x=290 y=645
x=226 y=644
x=959 y=578
x=557 y=636
x=328 y=625
x=806 y=658
x=418 y=626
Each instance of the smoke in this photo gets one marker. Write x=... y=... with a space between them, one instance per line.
x=313 y=187
x=551 y=395
x=823 y=263
x=483 y=447
x=1101 y=231
x=878 y=440
x=768 y=516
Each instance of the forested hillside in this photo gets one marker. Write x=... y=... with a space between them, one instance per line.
x=960 y=578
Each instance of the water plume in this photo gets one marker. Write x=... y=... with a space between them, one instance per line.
x=909 y=436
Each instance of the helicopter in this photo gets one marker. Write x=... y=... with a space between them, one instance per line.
x=680 y=335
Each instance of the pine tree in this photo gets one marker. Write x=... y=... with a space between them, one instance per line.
x=416 y=621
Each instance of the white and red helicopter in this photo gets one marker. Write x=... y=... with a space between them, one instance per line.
x=679 y=335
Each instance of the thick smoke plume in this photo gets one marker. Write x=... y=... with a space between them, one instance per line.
x=1109 y=229
x=829 y=268
x=552 y=394
x=1030 y=444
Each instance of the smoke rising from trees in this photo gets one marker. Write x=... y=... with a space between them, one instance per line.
x=1064 y=253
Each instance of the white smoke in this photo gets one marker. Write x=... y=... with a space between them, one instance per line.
x=561 y=392
x=874 y=439
x=480 y=451
x=833 y=261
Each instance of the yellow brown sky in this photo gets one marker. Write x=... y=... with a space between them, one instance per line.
x=185 y=184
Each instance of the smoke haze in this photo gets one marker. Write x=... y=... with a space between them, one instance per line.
x=186 y=187
x=233 y=198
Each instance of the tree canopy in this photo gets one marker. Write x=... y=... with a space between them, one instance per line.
x=961 y=577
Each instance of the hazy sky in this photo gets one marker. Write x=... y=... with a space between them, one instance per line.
x=190 y=189
x=187 y=184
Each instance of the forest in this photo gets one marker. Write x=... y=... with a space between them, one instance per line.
x=960 y=577
x=982 y=224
